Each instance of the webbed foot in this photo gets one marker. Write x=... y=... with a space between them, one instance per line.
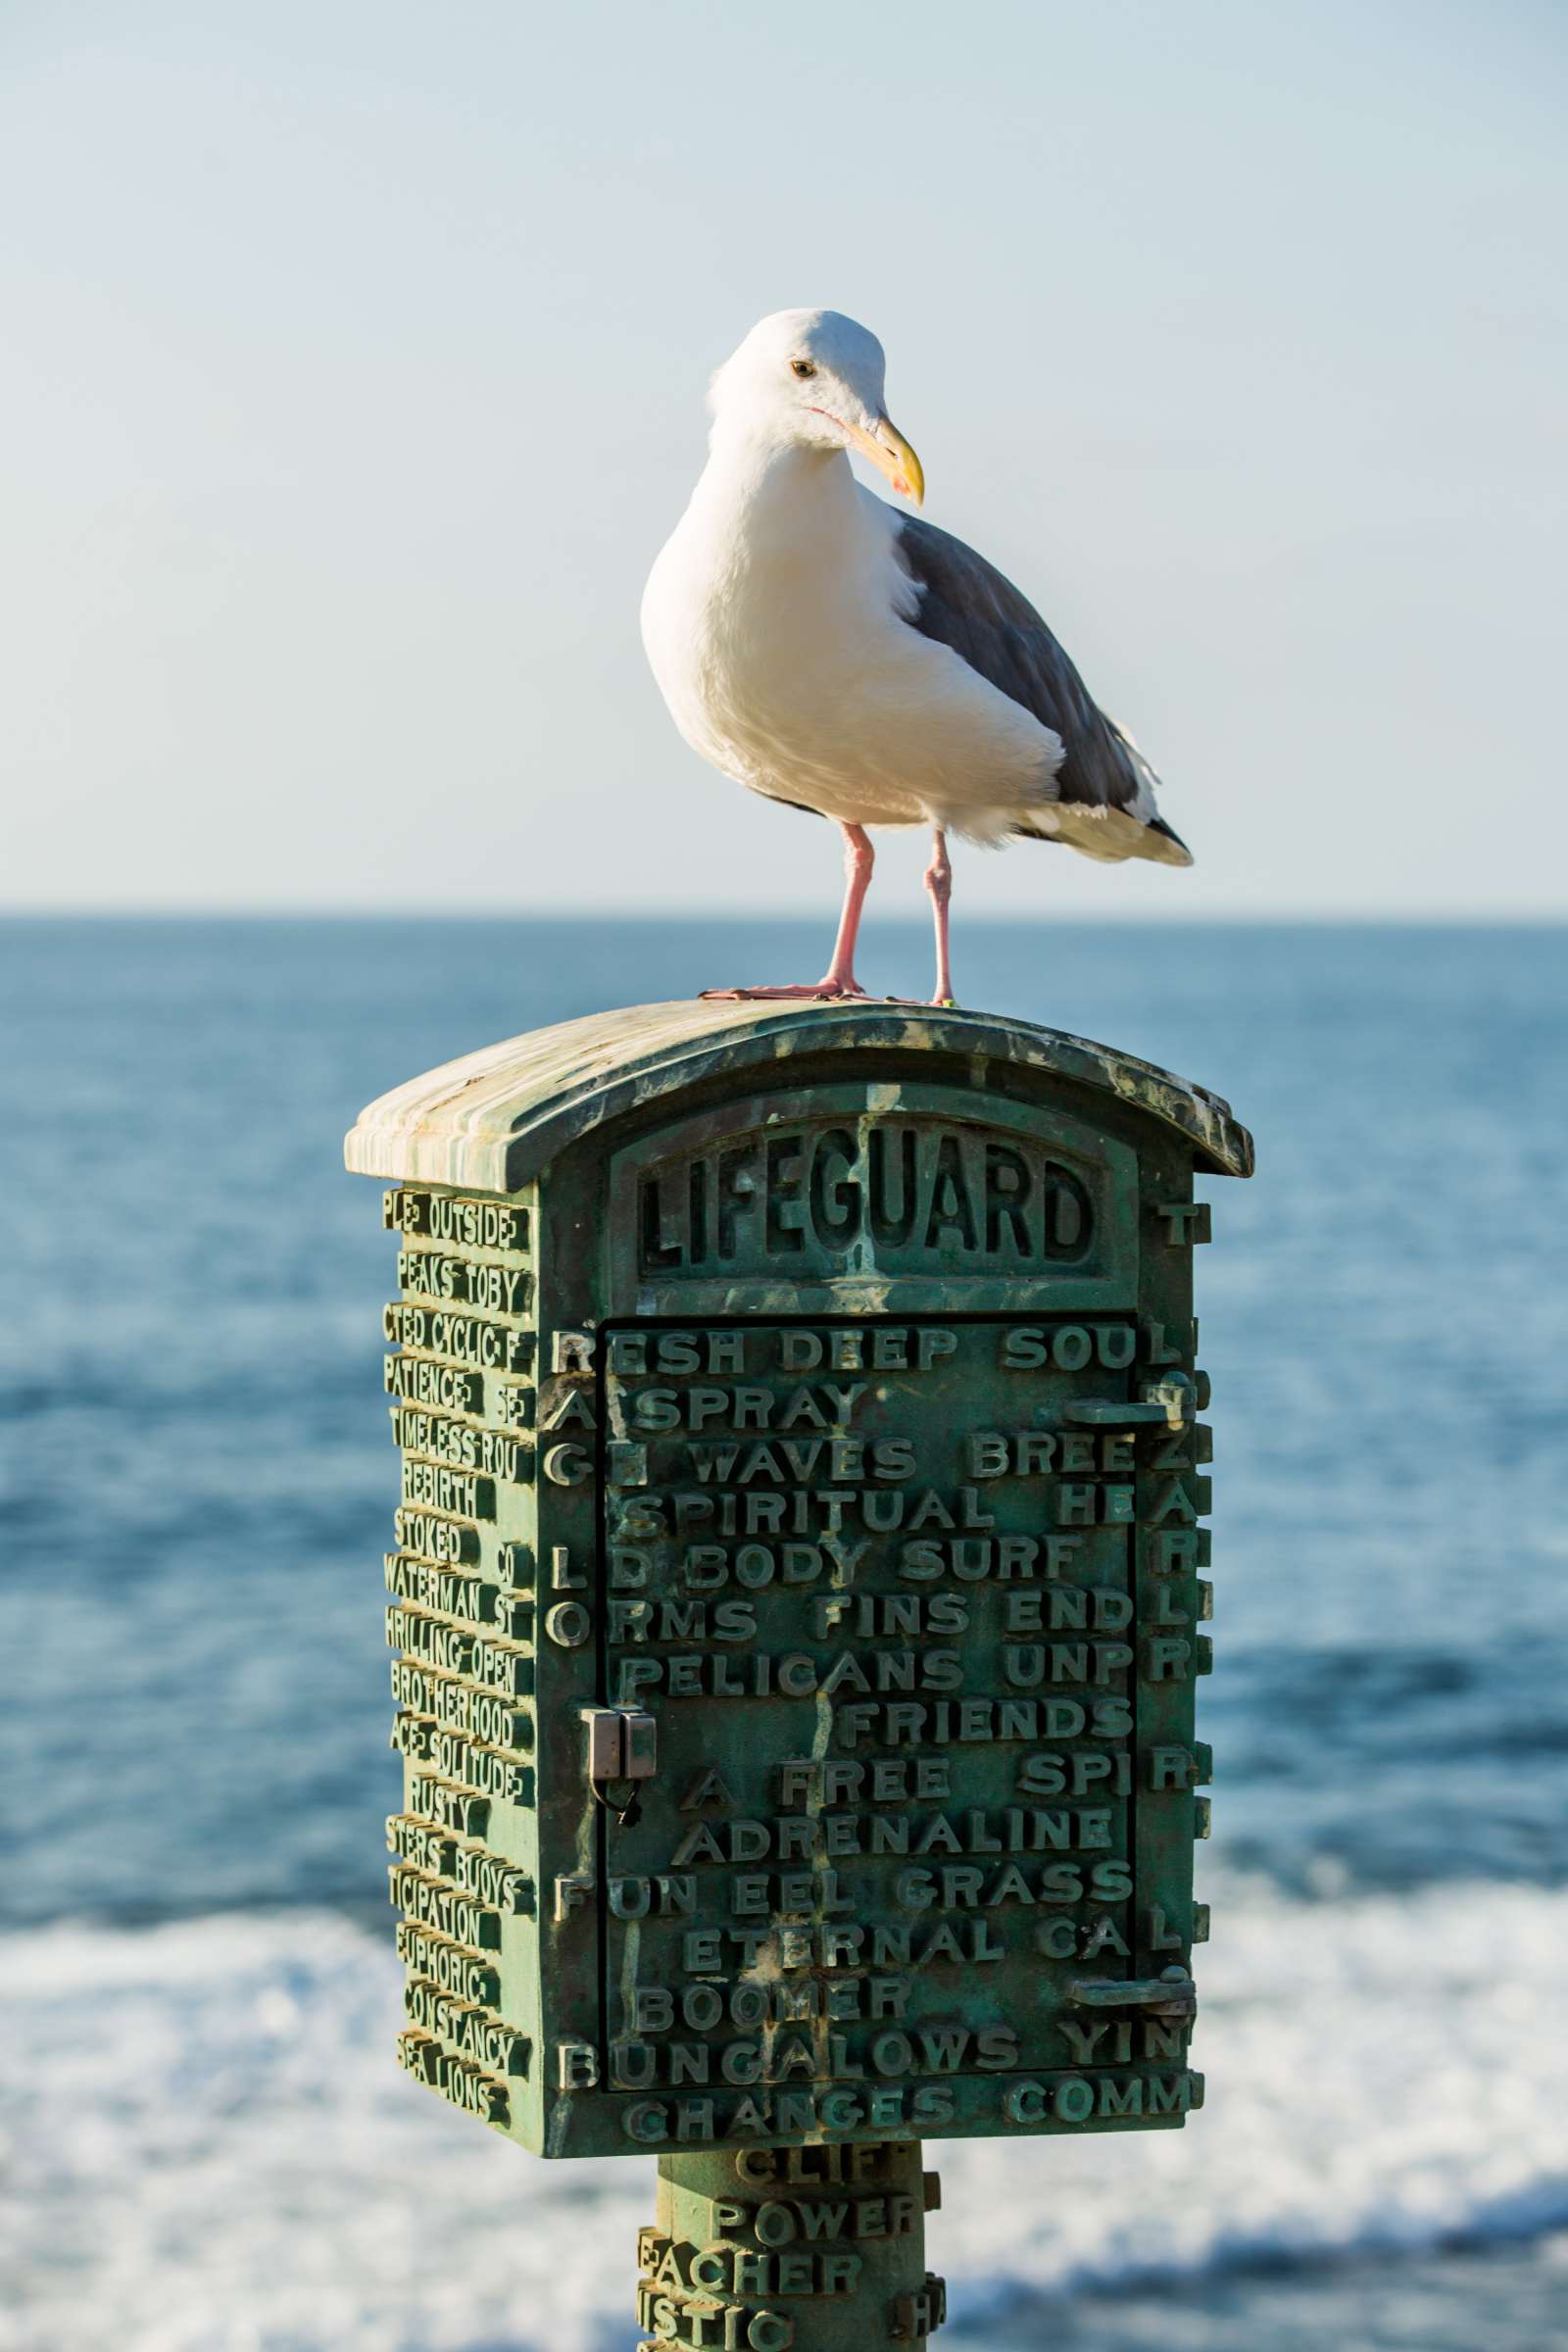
x=827 y=988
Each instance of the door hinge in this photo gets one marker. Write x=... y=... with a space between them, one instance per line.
x=1172 y=1994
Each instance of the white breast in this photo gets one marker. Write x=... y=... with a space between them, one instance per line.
x=774 y=621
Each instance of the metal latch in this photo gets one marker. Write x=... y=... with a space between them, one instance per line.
x=622 y=1751
x=1172 y=1401
x=1171 y=1995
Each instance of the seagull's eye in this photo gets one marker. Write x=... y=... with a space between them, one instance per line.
x=804 y=367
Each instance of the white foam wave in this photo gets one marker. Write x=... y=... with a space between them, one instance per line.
x=206 y=2148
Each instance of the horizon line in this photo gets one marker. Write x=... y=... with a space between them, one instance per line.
x=402 y=912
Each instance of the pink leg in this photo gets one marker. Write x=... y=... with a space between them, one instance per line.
x=839 y=979
x=938 y=882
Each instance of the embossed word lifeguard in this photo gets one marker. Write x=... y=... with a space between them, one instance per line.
x=798 y=1598
x=887 y=1192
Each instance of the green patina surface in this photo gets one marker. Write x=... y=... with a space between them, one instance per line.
x=769 y=2248
x=804 y=1402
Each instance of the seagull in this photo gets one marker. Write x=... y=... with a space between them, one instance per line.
x=847 y=658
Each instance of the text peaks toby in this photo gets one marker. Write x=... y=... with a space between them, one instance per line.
x=798 y=1577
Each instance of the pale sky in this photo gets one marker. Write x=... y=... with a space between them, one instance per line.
x=354 y=368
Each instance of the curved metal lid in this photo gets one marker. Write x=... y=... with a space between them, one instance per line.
x=489 y=1121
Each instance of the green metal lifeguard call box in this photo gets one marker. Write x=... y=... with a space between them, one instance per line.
x=799 y=1586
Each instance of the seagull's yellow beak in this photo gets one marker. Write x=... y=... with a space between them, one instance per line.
x=891 y=454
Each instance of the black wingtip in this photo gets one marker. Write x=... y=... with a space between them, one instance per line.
x=1157 y=824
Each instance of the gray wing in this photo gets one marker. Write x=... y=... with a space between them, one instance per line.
x=967 y=605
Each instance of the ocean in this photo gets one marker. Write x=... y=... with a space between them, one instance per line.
x=206 y=2146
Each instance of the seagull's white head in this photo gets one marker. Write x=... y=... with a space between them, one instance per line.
x=813 y=379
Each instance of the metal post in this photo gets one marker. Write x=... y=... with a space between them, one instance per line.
x=798 y=1598
x=808 y=2250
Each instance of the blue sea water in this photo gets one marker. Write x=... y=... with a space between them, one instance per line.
x=206 y=2144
